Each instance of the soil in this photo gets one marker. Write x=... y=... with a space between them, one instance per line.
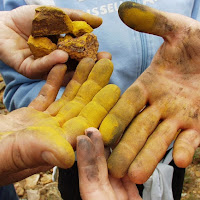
x=41 y=187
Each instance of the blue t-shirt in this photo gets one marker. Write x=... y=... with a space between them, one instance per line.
x=131 y=51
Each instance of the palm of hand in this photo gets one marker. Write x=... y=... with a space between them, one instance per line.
x=163 y=103
x=28 y=129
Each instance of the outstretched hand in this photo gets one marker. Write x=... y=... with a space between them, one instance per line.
x=15 y=29
x=43 y=135
x=163 y=103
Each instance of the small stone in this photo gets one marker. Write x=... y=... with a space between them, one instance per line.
x=197 y=173
x=50 y=191
x=1 y=78
x=183 y=194
x=33 y=194
x=46 y=178
x=2 y=85
x=19 y=189
x=31 y=181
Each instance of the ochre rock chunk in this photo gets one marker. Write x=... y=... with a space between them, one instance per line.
x=50 y=21
x=83 y=46
x=67 y=37
x=80 y=28
x=41 y=46
x=53 y=29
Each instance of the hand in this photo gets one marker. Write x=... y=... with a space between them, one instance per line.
x=94 y=181
x=15 y=28
x=34 y=139
x=163 y=103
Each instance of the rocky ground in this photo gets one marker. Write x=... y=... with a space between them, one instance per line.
x=41 y=187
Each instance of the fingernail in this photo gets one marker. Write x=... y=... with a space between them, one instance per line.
x=89 y=133
x=49 y=158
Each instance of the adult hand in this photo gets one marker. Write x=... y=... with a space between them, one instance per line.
x=94 y=181
x=15 y=28
x=163 y=103
x=33 y=139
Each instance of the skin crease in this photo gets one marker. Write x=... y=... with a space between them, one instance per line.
x=169 y=97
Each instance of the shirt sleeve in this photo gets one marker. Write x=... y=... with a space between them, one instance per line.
x=196 y=10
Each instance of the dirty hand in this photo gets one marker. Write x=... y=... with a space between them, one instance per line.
x=162 y=105
x=15 y=29
x=43 y=135
x=94 y=181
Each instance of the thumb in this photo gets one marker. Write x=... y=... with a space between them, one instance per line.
x=34 y=147
x=146 y=19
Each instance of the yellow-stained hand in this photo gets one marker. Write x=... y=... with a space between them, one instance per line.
x=15 y=29
x=41 y=136
x=162 y=105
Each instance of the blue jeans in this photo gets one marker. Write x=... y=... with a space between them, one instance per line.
x=8 y=193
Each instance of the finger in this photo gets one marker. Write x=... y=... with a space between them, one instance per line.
x=97 y=79
x=131 y=189
x=107 y=152
x=68 y=77
x=92 y=167
x=49 y=91
x=152 y=152
x=93 y=113
x=50 y=149
x=103 y=54
x=96 y=139
x=185 y=146
x=114 y=124
x=118 y=188
x=145 y=19
x=132 y=141
x=80 y=76
x=78 y=15
x=38 y=68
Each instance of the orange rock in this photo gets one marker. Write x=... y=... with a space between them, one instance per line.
x=80 y=28
x=41 y=46
x=67 y=37
x=81 y=47
x=50 y=21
